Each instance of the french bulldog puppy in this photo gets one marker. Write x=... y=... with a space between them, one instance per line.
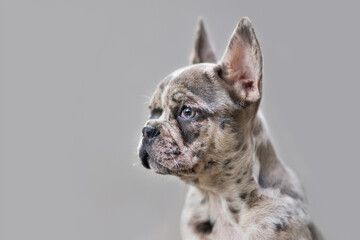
x=205 y=128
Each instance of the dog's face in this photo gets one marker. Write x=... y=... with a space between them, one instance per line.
x=203 y=114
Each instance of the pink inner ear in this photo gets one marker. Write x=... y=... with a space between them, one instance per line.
x=241 y=66
x=240 y=70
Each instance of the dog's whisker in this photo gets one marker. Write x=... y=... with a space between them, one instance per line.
x=176 y=163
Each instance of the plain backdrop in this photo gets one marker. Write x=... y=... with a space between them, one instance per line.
x=75 y=80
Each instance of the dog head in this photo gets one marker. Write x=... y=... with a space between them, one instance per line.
x=203 y=114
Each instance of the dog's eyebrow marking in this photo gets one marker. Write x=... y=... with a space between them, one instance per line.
x=181 y=98
x=178 y=97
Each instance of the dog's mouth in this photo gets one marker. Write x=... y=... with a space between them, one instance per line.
x=144 y=157
x=149 y=161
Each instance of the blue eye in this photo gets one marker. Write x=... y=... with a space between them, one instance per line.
x=187 y=113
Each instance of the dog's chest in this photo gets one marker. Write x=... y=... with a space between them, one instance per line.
x=208 y=219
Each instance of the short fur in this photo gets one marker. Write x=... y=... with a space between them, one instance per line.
x=239 y=189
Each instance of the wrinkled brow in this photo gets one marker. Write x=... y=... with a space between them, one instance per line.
x=188 y=97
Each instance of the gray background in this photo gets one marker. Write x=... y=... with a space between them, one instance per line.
x=75 y=79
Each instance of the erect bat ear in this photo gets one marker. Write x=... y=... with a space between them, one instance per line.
x=242 y=63
x=202 y=51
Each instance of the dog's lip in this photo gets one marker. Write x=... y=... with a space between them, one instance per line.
x=144 y=157
x=148 y=162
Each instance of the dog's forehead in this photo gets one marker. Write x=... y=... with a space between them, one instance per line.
x=199 y=82
x=195 y=80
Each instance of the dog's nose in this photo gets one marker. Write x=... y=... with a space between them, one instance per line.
x=150 y=132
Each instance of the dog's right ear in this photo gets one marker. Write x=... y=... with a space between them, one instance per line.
x=202 y=51
x=242 y=63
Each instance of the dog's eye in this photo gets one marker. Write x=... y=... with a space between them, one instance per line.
x=188 y=113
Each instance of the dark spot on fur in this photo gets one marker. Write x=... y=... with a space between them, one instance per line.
x=237 y=147
x=204 y=227
x=233 y=210
x=200 y=154
x=282 y=226
x=196 y=180
x=244 y=173
x=227 y=161
x=253 y=199
x=188 y=134
x=223 y=122
x=219 y=72
x=228 y=174
x=212 y=163
x=243 y=196
x=203 y=201
x=244 y=147
x=238 y=181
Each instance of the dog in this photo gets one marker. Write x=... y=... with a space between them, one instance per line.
x=206 y=128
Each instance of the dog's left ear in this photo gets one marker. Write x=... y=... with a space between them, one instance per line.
x=242 y=63
x=202 y=51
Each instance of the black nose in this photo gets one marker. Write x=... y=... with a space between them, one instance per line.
x=150 y=132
